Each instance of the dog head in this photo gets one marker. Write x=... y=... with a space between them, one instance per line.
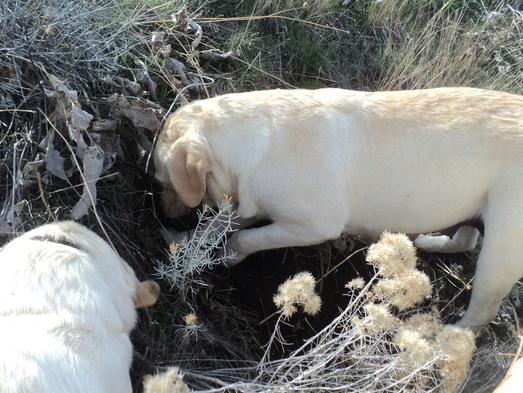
x=182 y=162
x=64 y=261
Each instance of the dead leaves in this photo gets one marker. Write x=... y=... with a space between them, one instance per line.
x=54 y=162
x=68 y=111
x=175 y=69
x=93 y=160
x=143 y=113
x=78 y=141
x=10 y=217
x=92 y=146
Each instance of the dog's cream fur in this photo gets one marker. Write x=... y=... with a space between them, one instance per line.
x=318 y=163
x=68 y=306
x=513 y=381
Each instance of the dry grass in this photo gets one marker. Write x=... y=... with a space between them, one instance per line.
x=368 y=45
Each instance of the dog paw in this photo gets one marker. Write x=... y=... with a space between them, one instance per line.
x=432 y=243
x=228 y=257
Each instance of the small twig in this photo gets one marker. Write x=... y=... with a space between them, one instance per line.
x=198 y=33
x=199 y=377
x=269 y=317
x=467 y=285
x=185 y=23
x=17 y=110
x=450 y=273
x=42 y=195
x=345 y=260
x=310 y=326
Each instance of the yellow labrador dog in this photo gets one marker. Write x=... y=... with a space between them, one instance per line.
x=319 y=163
x=513 y=381
x=68 y=306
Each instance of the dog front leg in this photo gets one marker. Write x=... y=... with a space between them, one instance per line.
x=237 y=223
x=274 y=235
x=498 y=268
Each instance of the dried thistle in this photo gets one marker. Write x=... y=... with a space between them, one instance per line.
x=457 y=345
x=298 y=291
x=357 y=283
x=416 y=349
x=169 y=381
x=379 y=319
x=404 y=291
x=393 y=255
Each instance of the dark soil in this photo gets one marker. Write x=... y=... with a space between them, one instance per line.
x=236 y=305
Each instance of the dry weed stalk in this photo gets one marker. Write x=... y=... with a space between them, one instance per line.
x=370 y=346
x=191 y=256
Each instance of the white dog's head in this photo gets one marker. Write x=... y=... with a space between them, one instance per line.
x=182 y=162
x=65 y=265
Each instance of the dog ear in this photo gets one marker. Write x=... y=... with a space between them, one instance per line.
x=147 y=293
x=190 y=166
x=64 y=232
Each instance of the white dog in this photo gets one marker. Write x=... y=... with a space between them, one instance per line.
x=68 y=305
x=513 y=381
x=319 y=163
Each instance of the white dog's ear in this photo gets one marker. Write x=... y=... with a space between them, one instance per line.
x=190 y=166
x=65 y=233
x=147 y=293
